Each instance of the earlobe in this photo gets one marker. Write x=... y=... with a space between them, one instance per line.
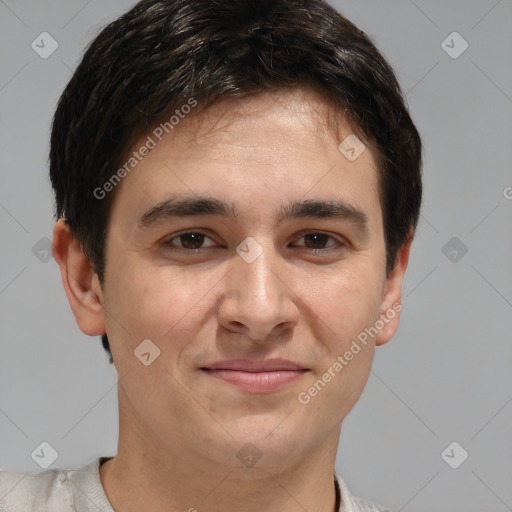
x=79 y=281
x=392 y=299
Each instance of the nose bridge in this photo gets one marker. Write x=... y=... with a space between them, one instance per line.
x=256 y=296
x=256 y=269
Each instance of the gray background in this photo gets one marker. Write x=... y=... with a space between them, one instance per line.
x=444 y=377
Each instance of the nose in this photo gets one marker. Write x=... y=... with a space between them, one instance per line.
x=259 y=299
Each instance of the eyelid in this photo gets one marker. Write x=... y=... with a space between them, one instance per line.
x=167 y=240
x=339 y=243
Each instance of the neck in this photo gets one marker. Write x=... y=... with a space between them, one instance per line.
x=137 y=481
x=173 y=493
x=175 y=477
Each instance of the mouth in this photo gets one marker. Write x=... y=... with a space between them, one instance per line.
x=256 y=376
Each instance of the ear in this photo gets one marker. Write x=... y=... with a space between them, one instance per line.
x=80 y=281
x=392 y=298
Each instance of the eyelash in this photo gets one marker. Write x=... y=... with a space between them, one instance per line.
x=169 y=245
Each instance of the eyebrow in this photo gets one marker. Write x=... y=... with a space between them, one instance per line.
x=180 y=206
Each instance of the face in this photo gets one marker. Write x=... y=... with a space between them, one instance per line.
x=250 y=251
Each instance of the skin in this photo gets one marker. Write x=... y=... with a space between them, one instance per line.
x=180 y=428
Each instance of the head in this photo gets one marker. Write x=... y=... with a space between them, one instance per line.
x=228 y=120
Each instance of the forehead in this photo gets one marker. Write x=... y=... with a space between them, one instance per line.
x=266 y=149
x=300 y=112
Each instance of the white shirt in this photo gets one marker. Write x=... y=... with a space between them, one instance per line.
x=81 y=490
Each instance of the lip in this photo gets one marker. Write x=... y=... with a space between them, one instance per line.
x=256 y=376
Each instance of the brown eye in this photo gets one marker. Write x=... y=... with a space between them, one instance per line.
x=318 y=241
x=189 y=240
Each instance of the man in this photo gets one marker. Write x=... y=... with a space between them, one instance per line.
x=237 y=187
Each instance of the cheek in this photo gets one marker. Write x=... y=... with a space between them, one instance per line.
x=157 y=306
x=141 y=303
x=169 y=306
x=349 y=302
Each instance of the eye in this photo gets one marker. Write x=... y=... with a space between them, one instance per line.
x=317 y=241
x=190 y=241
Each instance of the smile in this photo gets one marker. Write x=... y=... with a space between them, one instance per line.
x=256 y=377
x=257 y=382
